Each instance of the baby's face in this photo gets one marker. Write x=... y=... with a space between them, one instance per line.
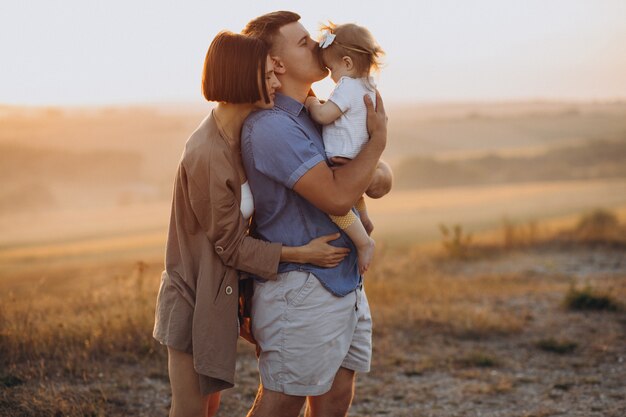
x=336 y=65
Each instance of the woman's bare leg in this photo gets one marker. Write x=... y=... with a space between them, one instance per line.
x=187 y=401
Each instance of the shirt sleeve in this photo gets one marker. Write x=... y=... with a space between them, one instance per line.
x=342 y=94
x=219 y=216
x=281 y=150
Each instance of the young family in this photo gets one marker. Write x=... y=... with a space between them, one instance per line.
x=272 y=152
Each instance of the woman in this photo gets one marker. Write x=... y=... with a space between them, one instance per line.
x=196 y=313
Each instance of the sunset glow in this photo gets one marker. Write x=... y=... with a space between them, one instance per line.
x=77 y=52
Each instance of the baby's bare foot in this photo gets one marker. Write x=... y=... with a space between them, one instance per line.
x=366 y=254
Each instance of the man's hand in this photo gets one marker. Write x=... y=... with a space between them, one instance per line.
x=376 y=119
x=336 y=191
x=245 y=331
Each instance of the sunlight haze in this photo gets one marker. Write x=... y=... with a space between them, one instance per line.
x=119 y=52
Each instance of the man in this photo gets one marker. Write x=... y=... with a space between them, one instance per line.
x=312 y=325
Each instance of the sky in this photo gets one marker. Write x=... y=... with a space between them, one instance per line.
x=97 y=52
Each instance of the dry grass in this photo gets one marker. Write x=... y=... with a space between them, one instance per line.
x=588 y=298
x=413 y=293
x=79 y=327
x=557 y=346
x=54 y=347
x=61 y=349
x=67 y=348
x=595 y=227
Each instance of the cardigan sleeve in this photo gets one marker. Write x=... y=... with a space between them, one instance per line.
x=217 y=210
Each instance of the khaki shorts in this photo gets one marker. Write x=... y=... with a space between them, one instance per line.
x=306 y=333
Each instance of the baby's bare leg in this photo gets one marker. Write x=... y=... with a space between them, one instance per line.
x=364 y=244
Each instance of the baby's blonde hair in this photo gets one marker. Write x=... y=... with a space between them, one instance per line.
x=356 y=42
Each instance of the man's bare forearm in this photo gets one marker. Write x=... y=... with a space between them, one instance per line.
x=355 y=177
x=335 y=191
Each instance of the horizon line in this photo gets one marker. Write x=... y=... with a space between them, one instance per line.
x=198 y=104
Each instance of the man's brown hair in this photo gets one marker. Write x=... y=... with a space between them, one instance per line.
x=266 y=27
x=234 y=69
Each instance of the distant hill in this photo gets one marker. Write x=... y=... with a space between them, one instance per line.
x=97 y=167
x=111 y=156
x=34 y=178
x=468 y=130
x=593 y=160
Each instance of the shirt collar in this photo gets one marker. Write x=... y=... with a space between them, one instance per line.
x=288 y=104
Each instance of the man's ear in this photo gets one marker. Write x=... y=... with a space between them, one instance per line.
x=279 y=66
x=347 y=61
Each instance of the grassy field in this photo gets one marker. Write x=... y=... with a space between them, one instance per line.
x=517 y=311
x=487 y=333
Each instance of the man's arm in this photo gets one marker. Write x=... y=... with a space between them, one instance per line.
x=381 y=182
x=335 y=191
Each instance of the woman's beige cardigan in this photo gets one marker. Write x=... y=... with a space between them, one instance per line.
x=207 y=244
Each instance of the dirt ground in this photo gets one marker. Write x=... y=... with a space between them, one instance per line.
x=488 y=336
x=421 y=366
x=425 y=371
x=431 y=373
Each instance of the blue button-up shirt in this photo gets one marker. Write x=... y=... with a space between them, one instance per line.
x=279 y=146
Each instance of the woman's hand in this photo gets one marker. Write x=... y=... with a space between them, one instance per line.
x=319 y=252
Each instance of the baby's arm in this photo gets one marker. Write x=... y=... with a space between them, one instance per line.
x=324 y=113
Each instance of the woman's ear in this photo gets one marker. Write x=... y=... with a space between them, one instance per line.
x=279 y=66
x=347 y=61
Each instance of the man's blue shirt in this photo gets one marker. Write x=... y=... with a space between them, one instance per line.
x=278 y=147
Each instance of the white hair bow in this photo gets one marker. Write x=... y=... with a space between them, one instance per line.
x=327 y=39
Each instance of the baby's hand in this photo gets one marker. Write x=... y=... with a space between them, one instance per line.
x=309 y=101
